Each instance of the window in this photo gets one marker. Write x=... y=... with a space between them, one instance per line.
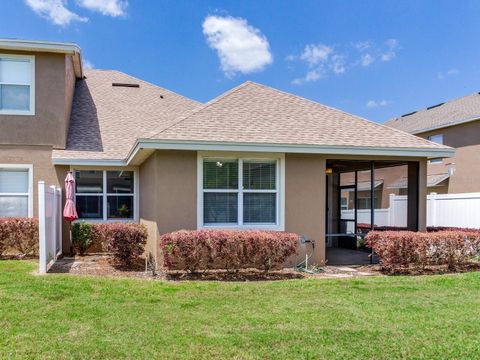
x=105 y=194
x=239 y=192
x=439 y=140
x=17 y=74
x=16 y=190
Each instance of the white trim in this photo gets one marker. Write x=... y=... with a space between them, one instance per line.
x=86 y=162
x=45 y=46
x=31 y=60
x=104 y=194
x=286 y=148
x=279 y=158
x=29 y=168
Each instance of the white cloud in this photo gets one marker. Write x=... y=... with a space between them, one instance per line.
x=375 y=104
x=87 y=64
x=366 y=59
x=449 y=72
x=312 y=75
x=112 y=8
x=362 y=45
x=314 y=54
x=55 y=11
x=338 y=64
x=391 y=52
x=324 y=59
x=240 y=47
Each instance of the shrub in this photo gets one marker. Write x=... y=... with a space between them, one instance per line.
x=20 y=234
x=81 y=236
x=400 y=249
x=124 y=241
x=226 y=249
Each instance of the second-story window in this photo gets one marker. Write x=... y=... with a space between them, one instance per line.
x=439 y=140
x=17 y=85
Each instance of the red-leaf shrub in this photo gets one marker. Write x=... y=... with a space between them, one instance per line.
x=367 y=227
x=20 y=234
x=398 y=250
x=124 y=241
x=226 y=249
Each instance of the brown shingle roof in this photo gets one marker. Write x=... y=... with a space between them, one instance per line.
x=254 y=113
x=447 y=114
x=106 y=120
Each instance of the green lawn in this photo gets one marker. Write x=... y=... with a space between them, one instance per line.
x=61 y=316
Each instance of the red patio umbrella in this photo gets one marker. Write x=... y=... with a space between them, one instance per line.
x=69 y=211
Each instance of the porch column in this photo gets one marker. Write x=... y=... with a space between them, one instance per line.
x=417 y=195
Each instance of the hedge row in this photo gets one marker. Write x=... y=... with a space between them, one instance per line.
x=398 y=250
x=226 y=249
x=125 y=242
x=20 y=235
x=367 y=227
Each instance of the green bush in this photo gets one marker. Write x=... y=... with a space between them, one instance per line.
x=81 y=236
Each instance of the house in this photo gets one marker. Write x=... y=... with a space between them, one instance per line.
x=455 y=123
x=254 y=157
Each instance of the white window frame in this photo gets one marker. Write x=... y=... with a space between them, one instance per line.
x=279 y=224
x=29 y=168
x=431 y=138
x=31 y=59
x=104 y=195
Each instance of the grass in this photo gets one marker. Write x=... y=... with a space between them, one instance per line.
x=62 y=316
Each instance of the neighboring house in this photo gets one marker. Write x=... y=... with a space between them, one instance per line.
x=252 y=158
x=454 y=123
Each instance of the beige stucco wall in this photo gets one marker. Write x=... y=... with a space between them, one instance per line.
x=54 y=85
x=168 y=194
x=465 y=138
x=305 y=189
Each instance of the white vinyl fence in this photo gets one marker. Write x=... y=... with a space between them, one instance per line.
x=49 y=225
x=455 y=210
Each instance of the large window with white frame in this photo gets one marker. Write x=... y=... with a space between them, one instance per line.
x=17 y=85
x=16 y=190
x=105 y=194
x=240 y=192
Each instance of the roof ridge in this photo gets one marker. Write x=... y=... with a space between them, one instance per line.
x=203 y=106
x=356 y=117
x=426 y=108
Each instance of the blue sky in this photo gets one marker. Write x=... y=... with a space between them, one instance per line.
x=376 y=59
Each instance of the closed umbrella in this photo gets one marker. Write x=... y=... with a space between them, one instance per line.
x=69 y=211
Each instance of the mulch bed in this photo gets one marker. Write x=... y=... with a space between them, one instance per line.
x=100 y=265
x=432 y=270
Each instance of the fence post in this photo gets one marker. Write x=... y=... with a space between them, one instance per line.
x=41 y=229
x=60 y=219
x=433 y=207
x=53 y=238
x=391 y=210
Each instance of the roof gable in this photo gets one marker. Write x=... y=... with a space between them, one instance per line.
x=106 y=120
x=255 y=113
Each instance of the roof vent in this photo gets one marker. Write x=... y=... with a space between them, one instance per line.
x=126 y=85
x=434 y=106
x=161 y=96
x=408 y=114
